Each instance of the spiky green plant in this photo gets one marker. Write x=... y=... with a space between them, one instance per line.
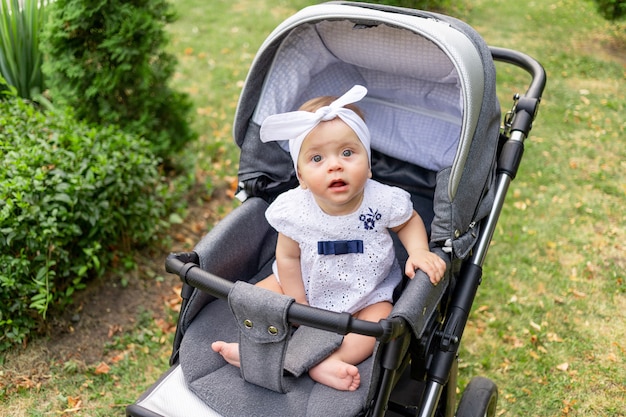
x=21 y=22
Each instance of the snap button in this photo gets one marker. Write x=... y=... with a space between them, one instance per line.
x=272 y=330
x=457 y=233
x=247 y=324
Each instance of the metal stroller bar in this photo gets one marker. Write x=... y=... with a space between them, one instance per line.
x=529 y=64
x=521 y=118
x=512 y=151
x=340 y=323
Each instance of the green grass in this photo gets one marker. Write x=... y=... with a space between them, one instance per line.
x=216 y=42
x=102 y=389
x=548 y=323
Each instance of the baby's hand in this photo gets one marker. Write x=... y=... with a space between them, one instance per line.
x=428 y=262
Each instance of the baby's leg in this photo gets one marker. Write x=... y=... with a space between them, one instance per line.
x=270 y=283
x=336 y=373
x=338 y=370
x=229 y=351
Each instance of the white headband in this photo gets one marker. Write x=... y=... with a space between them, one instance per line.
x=295 y=126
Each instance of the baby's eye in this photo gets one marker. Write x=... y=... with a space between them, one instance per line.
x=316 y=158
x=347 y=152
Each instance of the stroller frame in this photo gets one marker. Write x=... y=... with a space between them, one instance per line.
x=418 y=376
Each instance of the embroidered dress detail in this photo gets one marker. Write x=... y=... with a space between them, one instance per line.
x=339 y=247
x=369 y=219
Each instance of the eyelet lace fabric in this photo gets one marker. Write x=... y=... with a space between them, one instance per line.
x=351 y=281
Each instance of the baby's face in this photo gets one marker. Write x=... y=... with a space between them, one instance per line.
x=334 y=165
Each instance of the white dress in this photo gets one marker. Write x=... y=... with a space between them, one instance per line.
x=348 y=281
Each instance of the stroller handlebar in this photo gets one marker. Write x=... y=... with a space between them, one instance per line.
x=342 y=323
x=528 y=64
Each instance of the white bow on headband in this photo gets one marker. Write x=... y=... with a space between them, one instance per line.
x=295 y=126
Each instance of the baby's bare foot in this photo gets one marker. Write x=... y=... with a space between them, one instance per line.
x=229 y=351
x=336 y=374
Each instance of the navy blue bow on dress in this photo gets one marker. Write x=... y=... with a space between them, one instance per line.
x=339 y=247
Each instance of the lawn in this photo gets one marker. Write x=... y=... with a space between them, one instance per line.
x=549 y=323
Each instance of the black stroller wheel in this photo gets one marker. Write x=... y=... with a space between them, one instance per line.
x=479 y=399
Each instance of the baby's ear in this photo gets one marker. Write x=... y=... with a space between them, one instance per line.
x=302 y=183
x=369 y=173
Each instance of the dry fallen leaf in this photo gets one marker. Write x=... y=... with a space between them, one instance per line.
x=118 y=357
x=165 y=326
x=102 y=368
x=114 y=329
x=198 y=226
x=73 y=404
x=513 y=341
x=585 y=100
x=482 y=308
x=553 y=337
x=534 y=339
x=25 y=382
x=567 y=407
x=520 y=205
x=563 y=367
x=173 y=301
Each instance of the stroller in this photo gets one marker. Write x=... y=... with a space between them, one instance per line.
x=435 y=125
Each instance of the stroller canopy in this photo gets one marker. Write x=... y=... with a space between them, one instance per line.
x=431 y=99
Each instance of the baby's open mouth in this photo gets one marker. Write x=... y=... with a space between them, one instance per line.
x=337 y=183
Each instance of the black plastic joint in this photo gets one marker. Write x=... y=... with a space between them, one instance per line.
x=184 y=271
x=393 y=353
x=176 y=259
x=511 y=157
x=525 y=112
x=451 y=335
x=186 y=292
x=344 y=323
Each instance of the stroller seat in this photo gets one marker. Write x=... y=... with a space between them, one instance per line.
x=434 y=120
x=261 y=385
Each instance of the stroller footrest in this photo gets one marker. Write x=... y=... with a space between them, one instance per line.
x=308 y=347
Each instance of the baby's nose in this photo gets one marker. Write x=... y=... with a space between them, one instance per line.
x=334 y=163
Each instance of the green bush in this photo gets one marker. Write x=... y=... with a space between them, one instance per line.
x=106 y=60
x=21 y=22
x=70 y=195
x=612 y=9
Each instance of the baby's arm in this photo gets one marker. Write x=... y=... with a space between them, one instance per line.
x=288 y=265
x=413 y=236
